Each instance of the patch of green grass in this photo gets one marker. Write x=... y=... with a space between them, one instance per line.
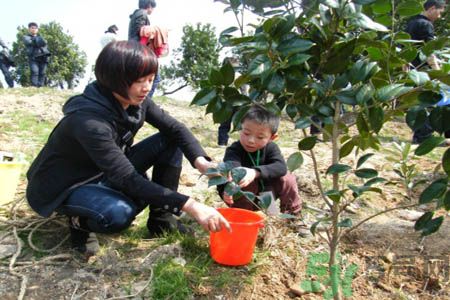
x=170 y=281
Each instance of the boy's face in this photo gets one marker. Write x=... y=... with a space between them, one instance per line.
x=33 y=30
x=254 y=136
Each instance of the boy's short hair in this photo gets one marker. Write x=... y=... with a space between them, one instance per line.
x=436 y=3
x=260 y=115
x=32 y=24
x=144 y=4
x=121 y=63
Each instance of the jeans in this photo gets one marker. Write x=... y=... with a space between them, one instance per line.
x=5 y=70
x=155 y=84
x=37 y=69
x=108 y=210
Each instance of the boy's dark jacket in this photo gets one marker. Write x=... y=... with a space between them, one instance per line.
x=271 y=165
x=138 y=19
x=88 y=145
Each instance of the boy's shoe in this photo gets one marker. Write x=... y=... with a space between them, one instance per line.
x=82 y=240
x=159 y=223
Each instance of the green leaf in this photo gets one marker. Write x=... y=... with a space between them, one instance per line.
x=391 y=91
x=419 y=78
x=345 y=223
x=298 y=59
x=303 y=123
x=294 y=161
x=233 y=189
x=215 y=77
x=347 y=97
x=423 y=220
x=429 y=98
x=433 y=191
x=217 y=181
x=338 y=168
x=361 y=124
x=346 y=149
x=363 y=159
x=376 y=118
x=276 y=83
x=237 y=174
x=364 y=21
x=381 y=7
x=446 y=161
x=307 y=143
x=294 y=45
x=291 y=111
x=334 y=195
x=364 y=2
x=366 y=173
x=416 y=117
x=287 y=216
x=227 y=72
x=229 y=30
x=364 y=94
x=204 y=96
x=212 y=171
x=224 y=114
x=374 y=181
x=265 y=199
x=409 y=8
x=432 y=226
x=428 y=145
x=249 y=195
x=447 y=201
x=259 y=65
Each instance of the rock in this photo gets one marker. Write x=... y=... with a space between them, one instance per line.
x=7 y=250
x=410 y=215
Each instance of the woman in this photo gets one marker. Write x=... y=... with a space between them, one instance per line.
x=90 y=170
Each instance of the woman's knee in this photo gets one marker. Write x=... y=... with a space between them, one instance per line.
x=119 y=216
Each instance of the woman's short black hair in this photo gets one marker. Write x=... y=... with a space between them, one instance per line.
x=121 y=63
x=144 y=4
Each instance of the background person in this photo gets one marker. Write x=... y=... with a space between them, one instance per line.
x=90 y=170
x=6 y=62
x=109 y=36
x=38 y=54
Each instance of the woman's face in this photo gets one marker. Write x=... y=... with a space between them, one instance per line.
x=137 y=92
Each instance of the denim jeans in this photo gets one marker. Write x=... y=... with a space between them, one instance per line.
x=108 y=210
x=155 y=84
x=223 y=133
x=37 y=69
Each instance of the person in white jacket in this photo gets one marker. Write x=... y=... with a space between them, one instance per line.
x=109 y=36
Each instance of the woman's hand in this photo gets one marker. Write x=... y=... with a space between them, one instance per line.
x=228 y=199
x=202 y=164
x=208 y=217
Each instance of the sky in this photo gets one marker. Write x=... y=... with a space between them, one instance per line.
x=87 y=20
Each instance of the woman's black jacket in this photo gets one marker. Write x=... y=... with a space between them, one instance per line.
x=88 y=145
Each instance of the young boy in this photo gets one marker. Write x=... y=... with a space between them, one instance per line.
x=261 y=158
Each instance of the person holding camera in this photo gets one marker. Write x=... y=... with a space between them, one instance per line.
x=38 y=54
x=6 y=62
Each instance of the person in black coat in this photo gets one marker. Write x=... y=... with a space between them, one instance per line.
x=38 y=55
x=6 y=62
x=91 y=171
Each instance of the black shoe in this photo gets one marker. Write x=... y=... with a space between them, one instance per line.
x=159 y=223
x=82 y=240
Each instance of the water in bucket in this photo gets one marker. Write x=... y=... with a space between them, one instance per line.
x=10 y=170
x=236 y=248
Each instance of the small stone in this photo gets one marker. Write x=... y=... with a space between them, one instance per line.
x=7 y=250
x=410 y=215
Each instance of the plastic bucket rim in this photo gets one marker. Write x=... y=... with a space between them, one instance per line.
x=259 y=223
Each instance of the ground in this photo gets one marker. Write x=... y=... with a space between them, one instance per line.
x=393 y=261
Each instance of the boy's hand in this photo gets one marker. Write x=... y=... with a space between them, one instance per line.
x=228 y=199
x=250 y=176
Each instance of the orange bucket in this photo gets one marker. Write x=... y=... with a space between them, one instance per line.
x=236 y=248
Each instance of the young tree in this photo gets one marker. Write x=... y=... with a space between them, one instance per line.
x=311 y=59
x=197 y=54
x=67 y=62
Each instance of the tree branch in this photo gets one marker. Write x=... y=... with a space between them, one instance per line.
x=175 y=90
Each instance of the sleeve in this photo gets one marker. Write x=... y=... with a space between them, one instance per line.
x=428 y=32
x=39 y=41
x=274 y=165
x=97 y=139
x=28 y=41
x=175 y=130
x=141 y=20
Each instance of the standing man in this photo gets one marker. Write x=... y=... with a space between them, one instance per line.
x=38 y=54
x=421 y=28
x=139 y=19
x=5 y=62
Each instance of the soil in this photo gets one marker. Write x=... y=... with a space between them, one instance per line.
x=394 y=261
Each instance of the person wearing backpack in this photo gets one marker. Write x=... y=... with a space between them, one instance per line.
x=38 y=54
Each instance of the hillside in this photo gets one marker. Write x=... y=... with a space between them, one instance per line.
x=393 y=261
